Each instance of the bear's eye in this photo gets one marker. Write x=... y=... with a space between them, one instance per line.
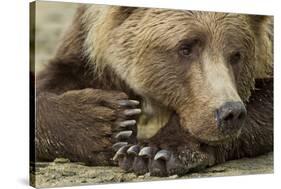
x=235 y=58
x=187 y=48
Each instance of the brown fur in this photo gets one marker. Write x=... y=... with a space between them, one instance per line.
x=70 y=114
x=134 y=50
x=151 y=44
x=256 y=137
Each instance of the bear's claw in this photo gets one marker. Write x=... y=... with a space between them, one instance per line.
x=125 y=124
x=139 y=160
x=132 y=112
x=163 y=154
x=123 y=135
x=148 y=152
x=128 y=102
x=159 y=162
x=118 y=145
x=121 y=152
x=133 y=150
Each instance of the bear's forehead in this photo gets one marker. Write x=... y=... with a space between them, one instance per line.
x=195 y=18
x=196 y=15
x=168 y=27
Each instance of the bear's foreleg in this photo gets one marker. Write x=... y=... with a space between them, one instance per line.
x=82 y=125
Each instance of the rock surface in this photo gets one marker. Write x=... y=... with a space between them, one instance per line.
x=63 y=173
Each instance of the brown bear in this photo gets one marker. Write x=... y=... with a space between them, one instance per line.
x=172 y=90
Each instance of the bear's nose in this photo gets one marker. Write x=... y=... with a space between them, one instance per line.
x=231 y=116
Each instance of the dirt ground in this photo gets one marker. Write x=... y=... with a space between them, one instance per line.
x=63 y=173
x=51 y=20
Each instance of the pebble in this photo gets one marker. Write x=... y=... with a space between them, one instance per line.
x=41 y=164
x=174 y=176
x=147 y=174
x=61 y=160
x=55 y=176
x=68 y=173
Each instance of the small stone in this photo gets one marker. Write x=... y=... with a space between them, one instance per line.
x=68 y=173
x=141 y=176
x=147 y=174
x=173 y=176
x=55 y=176
x=41 y=164
x=61 y=160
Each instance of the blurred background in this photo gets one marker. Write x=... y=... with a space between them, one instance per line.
x=51 y=20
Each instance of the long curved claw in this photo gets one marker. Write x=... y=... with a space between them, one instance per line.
x=147 y=152
x=163 y=154
x=132 y=112
x=133 y=150
x=128 y=102
x=126 y=123
x=118 y=145
x=121 y=152
x=123 y=135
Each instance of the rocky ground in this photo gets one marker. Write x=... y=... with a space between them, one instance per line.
x=63 y=173
x=51 y=21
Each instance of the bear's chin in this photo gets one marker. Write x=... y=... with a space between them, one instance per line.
x=221 y=140
x=214 y=140
x=210 y=135
x=156 y=116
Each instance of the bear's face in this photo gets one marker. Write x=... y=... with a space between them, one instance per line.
x=191 y=62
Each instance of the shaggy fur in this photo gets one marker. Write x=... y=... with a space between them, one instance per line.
x=112 y=53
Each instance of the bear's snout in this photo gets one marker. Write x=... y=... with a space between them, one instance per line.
x=230 y=116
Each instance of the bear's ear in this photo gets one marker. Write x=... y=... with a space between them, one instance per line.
x=126 y=11
x=262 y=27
x=256 y=19
x=261 y=22
x=122 y=13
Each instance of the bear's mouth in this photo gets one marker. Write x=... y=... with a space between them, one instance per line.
x=209 y=133
x=155 y=116
x=214 y=138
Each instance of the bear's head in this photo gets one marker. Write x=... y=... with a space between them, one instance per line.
x=200 y=65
